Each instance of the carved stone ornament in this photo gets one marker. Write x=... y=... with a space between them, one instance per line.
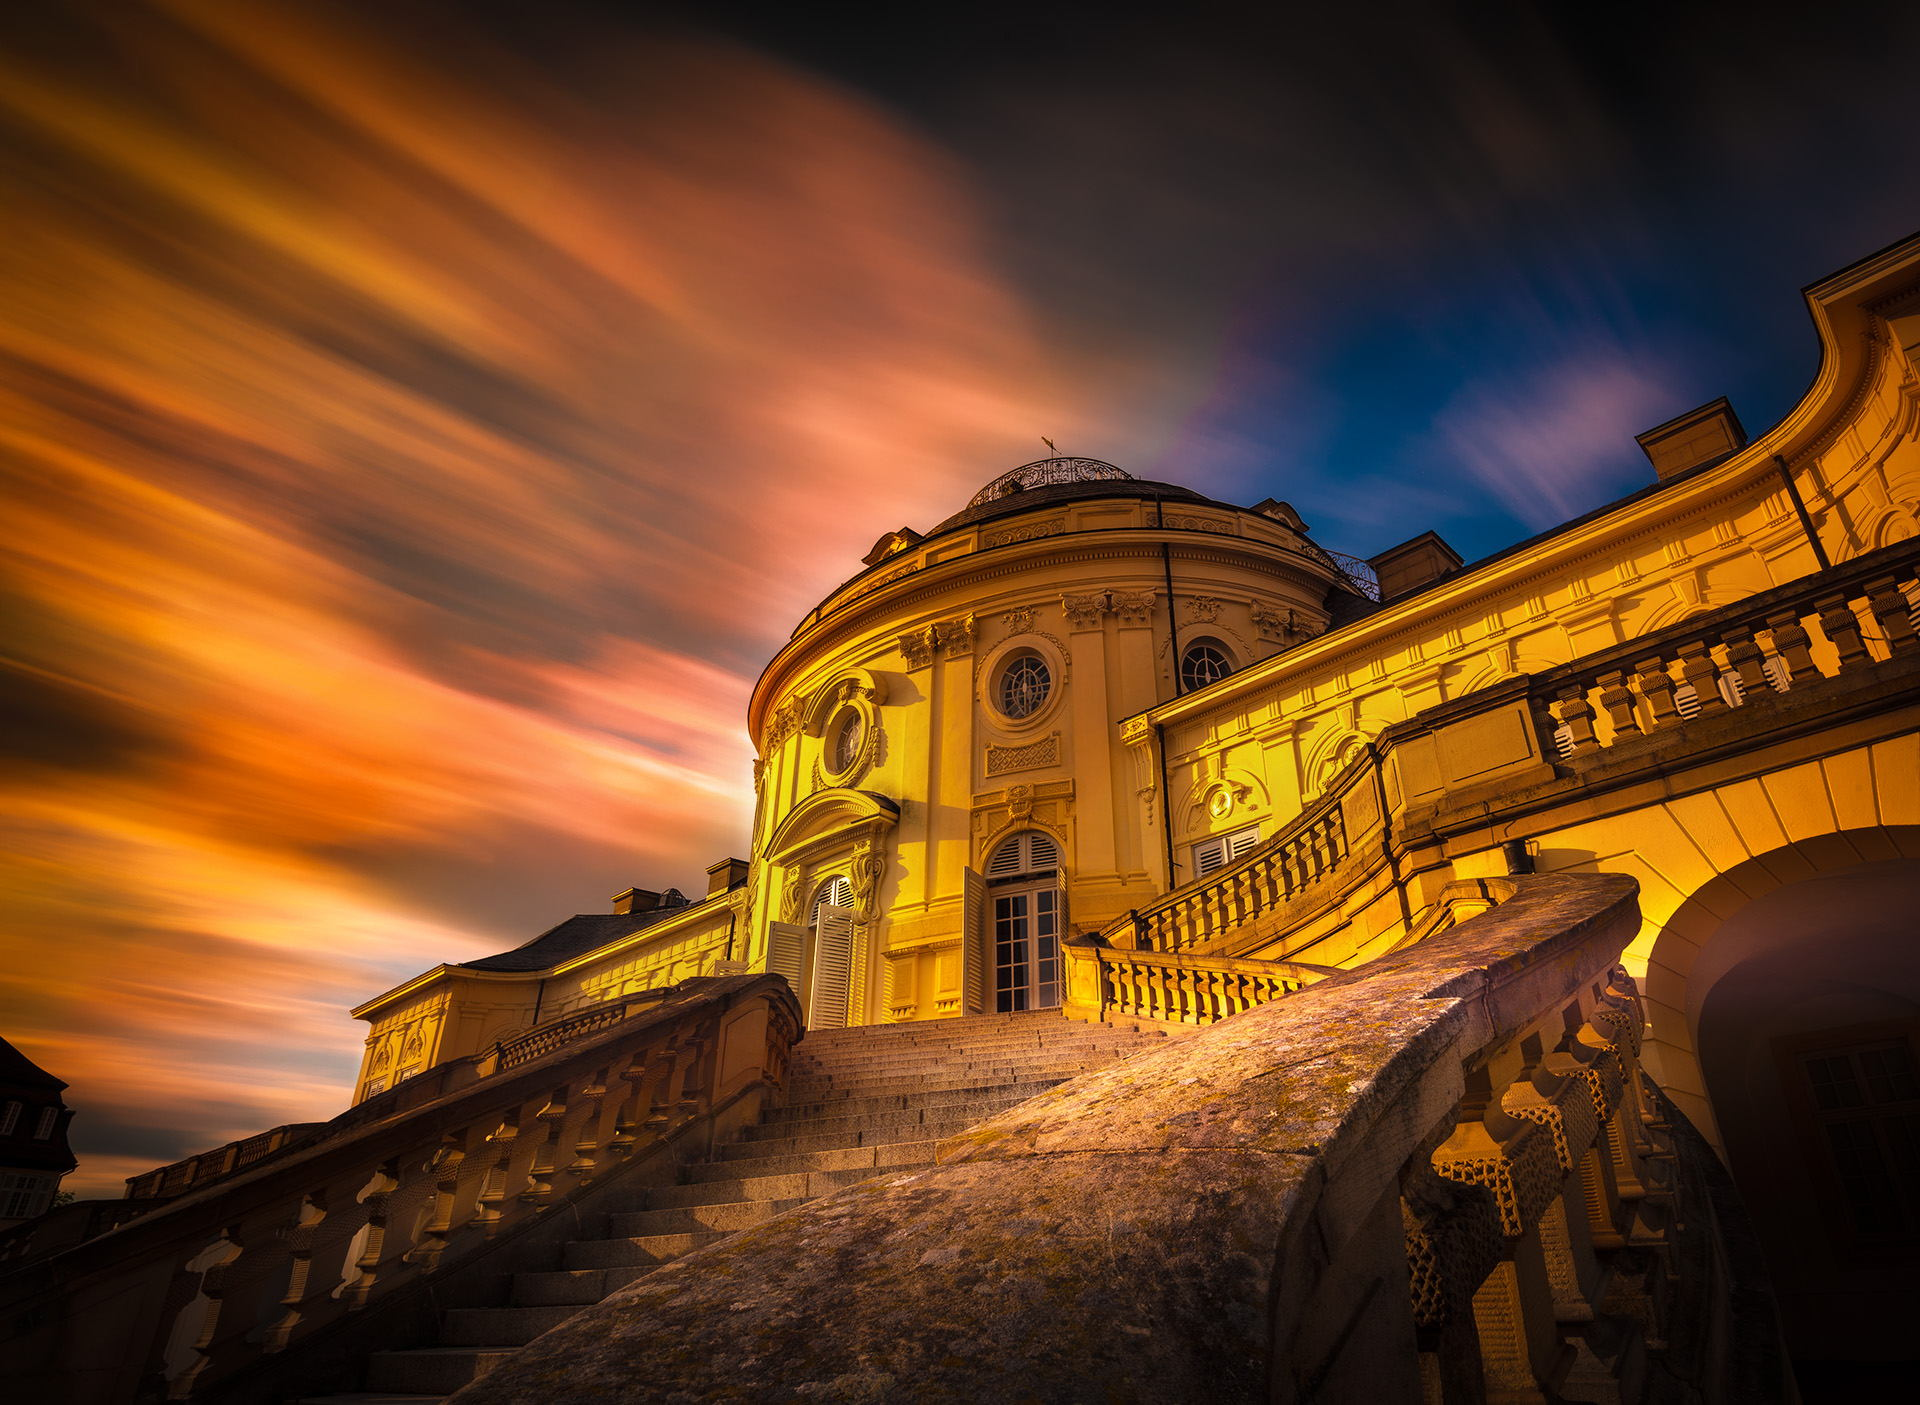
x=1276 y=625
x=1020 y=801
x=1019 y=621
x=955 y=636
x=864 y=874
x=1045 y=752
x=917 y=648
x=1133 y=606
x=784 y=722
x=1031 y=531
x=792 y=898
x=1084 y=611
x=1135 y=731
x=1203 y=608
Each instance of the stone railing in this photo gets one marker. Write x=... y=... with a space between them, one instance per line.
x=194 y=1172
x=1104 y=983
x=1839 y=622
x=1301 y=855
x=255 y=1288
x=546 y=1038
x=1440 y=1176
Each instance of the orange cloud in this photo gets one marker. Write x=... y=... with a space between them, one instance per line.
x=411 y=459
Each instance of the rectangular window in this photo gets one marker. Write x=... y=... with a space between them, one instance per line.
x=1862 y=1096
x=1211 y=855
x=9 y=1119
x=22 y=1196
x=44 y=1127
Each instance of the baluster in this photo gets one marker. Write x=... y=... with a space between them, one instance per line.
x=300 y=1242
x=1703 y=676
x=1572 y=711
x=546 y=1152
x=1842 y=628
x=442 y=1170
x=190 y=1349
x=1791 y=653
x=500 y=1144
x=1743 y=660
x=375 y=1195
x=1890 y=606
x=1656 y=686
x=1617 y=703
x=593 y=1099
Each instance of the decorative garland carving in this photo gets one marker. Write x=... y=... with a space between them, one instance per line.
x=1191 y=524
x=1203 y=608
x=1045 y=752
x=1019 y=621
x=1020 y=802
x=864 y=873
x=1031 y=531
x=1136 y=730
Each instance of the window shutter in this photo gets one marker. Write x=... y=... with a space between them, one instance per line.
x=786 y=951
x=1029 y=851
x=832 y=969
x=1006 y=859
x=1042 y=852
x=1209 y=855
x=1241 y=844
x=975 y=958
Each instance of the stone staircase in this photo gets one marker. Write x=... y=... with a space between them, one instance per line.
x=861 y=1102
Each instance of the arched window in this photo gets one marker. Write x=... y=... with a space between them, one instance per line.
x=1029 y=851
x=835 y=892
x=1203 y=662
x=1024 y=685
x=831 y=920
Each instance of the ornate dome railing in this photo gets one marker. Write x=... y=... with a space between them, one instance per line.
x=1360 y=574
x=1045 y=473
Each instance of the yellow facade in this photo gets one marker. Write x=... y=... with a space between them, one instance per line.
x=892 y=766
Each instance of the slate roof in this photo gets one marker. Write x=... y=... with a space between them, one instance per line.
x=1068 y=492
x=574 y=937
x=19 y=1071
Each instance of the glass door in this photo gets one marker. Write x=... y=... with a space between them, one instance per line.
x=1026 y=947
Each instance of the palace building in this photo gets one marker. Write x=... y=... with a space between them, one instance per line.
x=1104 y=784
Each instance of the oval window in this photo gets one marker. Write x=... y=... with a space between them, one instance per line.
x=1203 y=664
x=1024 y=685
x=844 y=748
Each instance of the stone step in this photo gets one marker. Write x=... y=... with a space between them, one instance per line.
x=880 y=1087
x=904 y=1102
x=972 y=1048
x=691 y=1219
x=874 y=1159
x=806 y=1185
x=647 y=1251
x=433 y=1370
x=499 y=1326
x=832 y=1141
x=364 y=1398
x=991 y=1066
x=573 y=1287
x=853 y=1128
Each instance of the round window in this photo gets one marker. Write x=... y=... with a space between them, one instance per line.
x=843 y=747
x=1203 y=664
x=1024 y=685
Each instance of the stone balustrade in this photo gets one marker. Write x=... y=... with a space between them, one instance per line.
x=1295 y=859
x=1104 y=983
x=1838 y=623
x=1440 y=1176
x=205 y=1295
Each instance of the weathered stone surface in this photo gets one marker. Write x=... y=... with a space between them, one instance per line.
x=1177 y=1227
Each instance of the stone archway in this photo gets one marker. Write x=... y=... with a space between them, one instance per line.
x=1775 y=980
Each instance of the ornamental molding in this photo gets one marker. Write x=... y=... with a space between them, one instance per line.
x=954 y=637
x=1195 y=524
x=868 y=867
x=1136 y=731
x=917 y=648
x=1020 y=621
x=1027 y=532
x=1203 y=609
x=1084 y=611
x=1002 y=759
x=1132 y=607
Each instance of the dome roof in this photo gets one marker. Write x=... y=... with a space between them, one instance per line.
x=1045 y=473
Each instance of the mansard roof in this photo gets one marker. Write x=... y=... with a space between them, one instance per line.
x=576 y=936
x=19 y=1071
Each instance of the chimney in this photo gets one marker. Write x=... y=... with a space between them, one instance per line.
x=1693 y=440
x=635 y=900
x=1413 y=564
x=726 y=875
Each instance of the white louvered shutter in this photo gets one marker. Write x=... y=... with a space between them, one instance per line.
x=832 y=968
x=786 y=951
x=976 y=959
x=1029 y=851
x=1243 y=843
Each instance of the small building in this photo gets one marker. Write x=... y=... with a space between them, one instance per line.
x=34 y=1154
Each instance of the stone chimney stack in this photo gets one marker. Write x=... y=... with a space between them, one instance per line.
x=1693 y=440
x=635 y=900
x=726 y=875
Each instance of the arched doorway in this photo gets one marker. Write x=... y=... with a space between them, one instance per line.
x=830 y=936
x=1800 y=997
x=1025 y=916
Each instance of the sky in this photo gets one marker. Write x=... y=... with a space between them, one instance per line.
x=421 y=422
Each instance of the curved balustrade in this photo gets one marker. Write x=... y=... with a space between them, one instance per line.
x=1105 y=984
x=1440 y=1176
x=389 y=1199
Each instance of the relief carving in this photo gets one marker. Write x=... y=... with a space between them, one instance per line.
x=1045 y=752
x=1019 y=621
x=865 y=873
x=1202 y=608
x=1084 y=611
x=917 y=648
x=1031 y=531
x=1132 y=606
x=955 y=637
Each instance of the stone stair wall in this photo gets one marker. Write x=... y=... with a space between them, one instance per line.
x=860 y=1102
